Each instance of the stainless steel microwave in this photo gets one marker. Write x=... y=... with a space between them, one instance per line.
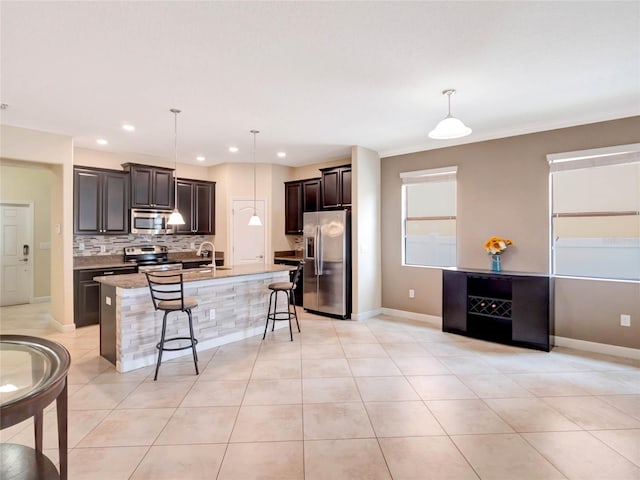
x=150 y=222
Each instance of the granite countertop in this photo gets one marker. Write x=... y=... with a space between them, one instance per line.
x=138 y=280
x=289 y=255
x=89 y=262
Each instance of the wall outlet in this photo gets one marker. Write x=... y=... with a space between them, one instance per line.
x=192 y=245
x=107 y=300
x=103 y=248
x=81 y=246
x=625 y=320
x=412 y=293
x=212 y=314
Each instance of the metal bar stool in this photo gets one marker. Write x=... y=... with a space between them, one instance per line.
x=167 y=293
x=287 y=288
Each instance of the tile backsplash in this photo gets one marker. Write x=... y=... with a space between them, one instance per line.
x=85 y=245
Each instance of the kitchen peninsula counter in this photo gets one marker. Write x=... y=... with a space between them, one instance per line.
x=232 y=305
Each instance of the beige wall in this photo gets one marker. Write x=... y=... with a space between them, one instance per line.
x=313 y=170
x=22 y=144
x=26 y=182
x=502 y=190
x=366 y=249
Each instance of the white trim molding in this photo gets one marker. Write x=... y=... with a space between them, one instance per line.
x=422 y=317
x=63 y=328
x=41 y=299
x=595 y=347
x=366 y=315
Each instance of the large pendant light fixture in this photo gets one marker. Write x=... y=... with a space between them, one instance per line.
x=450 y=127
x=254 y=221
x=175 y=218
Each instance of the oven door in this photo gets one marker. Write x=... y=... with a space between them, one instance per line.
x=150 y=222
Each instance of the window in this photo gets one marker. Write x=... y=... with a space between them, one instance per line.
x=595 y=213
x=429 y=217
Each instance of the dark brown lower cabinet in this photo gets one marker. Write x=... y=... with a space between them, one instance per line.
x=86 y=294
x=508 y=308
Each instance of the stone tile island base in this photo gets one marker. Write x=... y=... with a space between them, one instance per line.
x=232 y=305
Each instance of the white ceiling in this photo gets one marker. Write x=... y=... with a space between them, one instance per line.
x=314 y=77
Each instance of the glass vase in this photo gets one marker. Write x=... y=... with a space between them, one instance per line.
x=496 y=265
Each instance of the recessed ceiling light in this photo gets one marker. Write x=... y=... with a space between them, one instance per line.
x=101 y=141
x=282 y=154
x=233 y=149
x=200 y=158
x=128 y=127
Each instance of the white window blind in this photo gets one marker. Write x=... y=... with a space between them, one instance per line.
x=595 y=213
x=429 y=217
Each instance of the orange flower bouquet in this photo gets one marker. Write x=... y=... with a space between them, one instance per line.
x=497 y=245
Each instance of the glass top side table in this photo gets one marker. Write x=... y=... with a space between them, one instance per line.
x=33 y=373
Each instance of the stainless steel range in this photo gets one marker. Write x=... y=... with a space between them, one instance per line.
x=151 y=258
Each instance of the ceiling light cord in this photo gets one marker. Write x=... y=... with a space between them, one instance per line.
x=175 y=218
x=254 y=221
x=450 y=127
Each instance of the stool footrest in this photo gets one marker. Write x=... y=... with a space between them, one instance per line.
x=164 y=349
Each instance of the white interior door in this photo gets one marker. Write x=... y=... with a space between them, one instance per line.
x=16 y=252
x=247 y=242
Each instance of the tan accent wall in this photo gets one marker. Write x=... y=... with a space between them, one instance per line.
x=313 y=170
x=503 y=189
x=26 y=182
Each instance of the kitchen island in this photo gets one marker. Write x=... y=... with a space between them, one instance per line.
x=232 y=305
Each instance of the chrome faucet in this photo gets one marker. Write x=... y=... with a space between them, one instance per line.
x=213 y=252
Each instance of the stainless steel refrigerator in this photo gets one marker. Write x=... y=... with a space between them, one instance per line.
x=327 y=263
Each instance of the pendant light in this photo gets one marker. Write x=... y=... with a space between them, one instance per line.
x=175 y=218
x=254 y=221
x=450 y=127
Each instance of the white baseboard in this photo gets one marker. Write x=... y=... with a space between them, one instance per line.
x=365 y=315
x=148 y=360
x=423 y=317
x=60 y=327
x=595 y=347
x=41 y=299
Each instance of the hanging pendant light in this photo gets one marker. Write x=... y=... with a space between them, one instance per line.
x=254 y=221
x=450 y=127
x=175 y=218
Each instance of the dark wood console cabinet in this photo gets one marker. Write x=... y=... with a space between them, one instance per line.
x=501 y=307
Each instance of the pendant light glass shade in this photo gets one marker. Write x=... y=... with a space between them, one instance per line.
x=254 y=221
x=175 y=218
x=450 y=127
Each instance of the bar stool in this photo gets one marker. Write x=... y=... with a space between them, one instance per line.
x=287 y=288
x=167 y=293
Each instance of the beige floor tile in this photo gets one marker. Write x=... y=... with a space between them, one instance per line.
x=440 y=387
x=273 y=369
x=580 y=455
x=171 y=462
x=263 y=461
x=227 y=370
x=270 y=423
x=274 y=350
x=463 y=417
x=457 y=346
x=399 y=350
x=344 y=459
x=326 y=421
x=321 y=339
x=402 y=419
x=505 y=457
x=329 y=367
x=175 y=371
x=385 y=389
x=100 y=396
x=364 y=350
x=625 y=442
x=156 y=395
x=392 y=336
x=329 y=390
x=357 y=337
x=467 y=365
x=373 y=367
x=79 y=424
x=592 y=413
x=629 y=404
x=198 y=425
x=548 y=384
x=424 y=365
x=315 y=351
x=425 y=458
x=113 y=376
x=123 y=428
x=211 y=394
x=530 y=415
x=603 y=383
x=494 y=385
x=116 y=463
x=272 y=392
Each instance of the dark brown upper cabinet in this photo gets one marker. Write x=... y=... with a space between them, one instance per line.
x=311 y=194
x=336 y=186
x=196 y=202
x=100 y=201
x=300 y=196
x=151 y=187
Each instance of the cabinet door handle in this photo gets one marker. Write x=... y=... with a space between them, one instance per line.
x=108 y=273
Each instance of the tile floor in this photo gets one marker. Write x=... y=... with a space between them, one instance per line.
x=379 y=399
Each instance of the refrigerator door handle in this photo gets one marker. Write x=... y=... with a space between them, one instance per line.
x=320 y=253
